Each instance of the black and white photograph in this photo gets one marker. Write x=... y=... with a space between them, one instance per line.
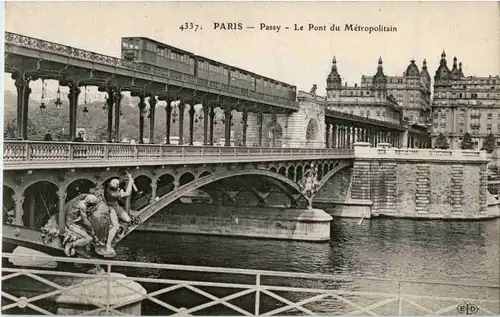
x=251 y=158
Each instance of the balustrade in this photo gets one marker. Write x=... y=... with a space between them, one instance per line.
x=35 y=151
x=363 y=150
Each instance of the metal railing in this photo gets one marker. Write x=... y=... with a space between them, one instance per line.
x=78 y=54
x=53 y=151
x=186 y=290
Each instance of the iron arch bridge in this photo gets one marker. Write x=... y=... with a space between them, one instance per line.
x=37 y=195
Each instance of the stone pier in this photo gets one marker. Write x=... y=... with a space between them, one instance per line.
x=419 y=183
x=256 y=222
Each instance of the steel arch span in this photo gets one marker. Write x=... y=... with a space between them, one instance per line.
x=170 y=197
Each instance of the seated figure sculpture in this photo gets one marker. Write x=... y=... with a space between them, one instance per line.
x=92 y=220
x=79 y=231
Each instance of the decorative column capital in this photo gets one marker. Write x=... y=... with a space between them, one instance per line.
x=18 y=198
x=191 y=110
x=152 y=100
x=62 y=194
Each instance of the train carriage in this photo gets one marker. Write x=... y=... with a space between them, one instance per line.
x=147 y=51
x=151 y=52
x=211 y=70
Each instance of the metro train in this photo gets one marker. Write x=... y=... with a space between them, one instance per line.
x=151 y=52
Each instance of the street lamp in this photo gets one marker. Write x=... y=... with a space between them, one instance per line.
x=85 y=109
x=58 y=101
x=42 y=101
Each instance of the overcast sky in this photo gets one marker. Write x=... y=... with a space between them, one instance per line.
x=468 y=30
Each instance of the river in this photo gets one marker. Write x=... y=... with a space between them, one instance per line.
x=463 y=251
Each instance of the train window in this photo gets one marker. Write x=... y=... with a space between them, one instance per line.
x=160 y=51
x=191 y=61
x=225 y=71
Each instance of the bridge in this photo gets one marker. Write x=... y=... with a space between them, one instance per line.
x=267 y=120
x=47 y=175
x=40 y=177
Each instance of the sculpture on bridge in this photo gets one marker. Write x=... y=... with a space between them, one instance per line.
x=309 y=184
x=92 y=221
x=113 y=197
x=313 y=89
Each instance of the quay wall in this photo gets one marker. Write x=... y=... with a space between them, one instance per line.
x=257 y=222
x=421 y=183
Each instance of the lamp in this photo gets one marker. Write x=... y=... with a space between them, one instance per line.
x=58 y=101
x=174 y=114
x=42 y=99
x=105 y=105
x=85 y=109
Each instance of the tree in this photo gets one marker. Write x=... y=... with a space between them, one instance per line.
x=441 y=142
x=467 y=143
x=489 y=143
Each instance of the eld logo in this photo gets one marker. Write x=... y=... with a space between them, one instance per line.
x=467 y=309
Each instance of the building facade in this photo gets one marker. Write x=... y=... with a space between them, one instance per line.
x=369 y=101
x=464 y=104
x=412 y=92
x=377 y=98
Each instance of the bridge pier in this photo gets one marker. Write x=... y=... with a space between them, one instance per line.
x=256 y=222
x=420 y=183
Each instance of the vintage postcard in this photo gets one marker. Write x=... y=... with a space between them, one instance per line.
x=251 y=158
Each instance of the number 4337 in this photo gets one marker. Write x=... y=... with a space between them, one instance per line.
x=190 y=26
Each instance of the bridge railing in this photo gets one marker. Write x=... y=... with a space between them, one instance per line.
x=363 y=150
x=183 y=290
x=79 y=54
x=39 y=151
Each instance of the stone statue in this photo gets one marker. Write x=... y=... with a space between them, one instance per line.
x=79 y=234
x=313 y=89
x=91 y=223
x=309 y=184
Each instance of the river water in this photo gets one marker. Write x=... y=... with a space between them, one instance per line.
x=464 y=251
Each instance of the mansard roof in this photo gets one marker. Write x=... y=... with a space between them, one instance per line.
x=412 y=69
x=443 y=72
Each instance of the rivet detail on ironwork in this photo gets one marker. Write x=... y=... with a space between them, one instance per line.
x=22 y=302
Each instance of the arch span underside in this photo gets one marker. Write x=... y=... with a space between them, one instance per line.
x=273 y=185
x=170 y=197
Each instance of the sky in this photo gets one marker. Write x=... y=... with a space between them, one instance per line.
x=468 y=30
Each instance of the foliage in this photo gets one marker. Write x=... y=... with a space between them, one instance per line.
x=441 y=142
x=467 y=143
x=490 y=143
